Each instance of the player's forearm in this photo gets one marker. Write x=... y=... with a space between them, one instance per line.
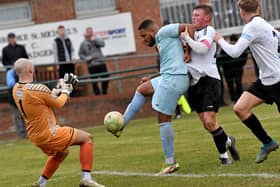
x=60 y=101
x=233 y=50
x=196 y=46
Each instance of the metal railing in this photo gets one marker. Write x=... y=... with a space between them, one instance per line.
x=90 y=78
x=226 y=16
x=179 y=11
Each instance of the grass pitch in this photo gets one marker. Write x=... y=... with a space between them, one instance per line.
x=137 y=155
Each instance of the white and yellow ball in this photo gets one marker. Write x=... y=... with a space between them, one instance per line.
x=113 y=121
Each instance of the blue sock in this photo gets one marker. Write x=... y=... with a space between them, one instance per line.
x=167 y=140
x=134 y=106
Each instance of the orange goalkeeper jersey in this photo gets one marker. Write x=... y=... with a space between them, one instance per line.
x=35 y=103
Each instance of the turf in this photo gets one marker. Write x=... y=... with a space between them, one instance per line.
x=138 y=150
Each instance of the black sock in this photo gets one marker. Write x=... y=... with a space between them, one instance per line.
x=220 y=139
x=255 y=125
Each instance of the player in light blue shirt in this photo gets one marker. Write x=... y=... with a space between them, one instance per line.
x=170 y=50
x=165 y=89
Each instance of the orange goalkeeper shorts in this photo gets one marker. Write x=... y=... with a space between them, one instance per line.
x=65 y=136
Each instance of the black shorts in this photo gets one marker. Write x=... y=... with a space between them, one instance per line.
x=205 y=95
x=269 y=93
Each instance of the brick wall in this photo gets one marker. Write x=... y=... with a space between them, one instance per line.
x=97 y=106
x=86 y=111
x=90 y=110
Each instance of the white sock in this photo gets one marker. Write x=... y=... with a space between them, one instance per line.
x=224 y=155
x=42 y=181
x=86 y=175
x=228 y=142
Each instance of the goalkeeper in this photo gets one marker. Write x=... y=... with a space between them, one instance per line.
x=35 y=103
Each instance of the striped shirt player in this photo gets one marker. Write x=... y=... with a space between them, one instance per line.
x=205 y=90
x=36 y=103
x=262 y=40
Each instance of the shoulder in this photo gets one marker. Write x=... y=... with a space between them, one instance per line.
x=5 y=48
x=206 y=30
x=67 y=39
x=11 y=72
x=37 y=87
x=211 y=29
x=169 y=27
x=256 y=23
x=85 y=42
x=19 y=45
x=57 y=39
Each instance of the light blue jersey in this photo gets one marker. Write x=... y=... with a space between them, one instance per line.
x=171 y=51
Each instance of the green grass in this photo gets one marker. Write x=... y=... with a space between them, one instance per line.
x=139 y=150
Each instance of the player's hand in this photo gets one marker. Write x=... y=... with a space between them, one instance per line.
x=187 y=57
x=185 y=34
x=217 y=37
x=59 y=84
x=55 y=92
x=67 y=89
x=144 y=79
x=70 y=78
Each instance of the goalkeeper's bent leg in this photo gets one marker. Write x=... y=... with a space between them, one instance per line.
x=51 y=166
x=134 y=107
x=167 y=140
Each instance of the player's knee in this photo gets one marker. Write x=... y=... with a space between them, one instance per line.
x=89 y=138
x=145 y=89
x=209 y=125
x=140 y=89
x=62 y=155
x=240 y=111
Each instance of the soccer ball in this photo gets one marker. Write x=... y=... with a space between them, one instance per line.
x=113 y=121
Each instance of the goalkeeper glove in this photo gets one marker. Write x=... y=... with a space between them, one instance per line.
x=59 y=84
x=70 y=78
x=55 y=92
x=67 y=89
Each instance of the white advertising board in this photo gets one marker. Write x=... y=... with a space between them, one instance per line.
x=115 y=30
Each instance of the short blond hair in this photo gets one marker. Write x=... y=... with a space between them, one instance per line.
x=250 y=6
x=206 y=7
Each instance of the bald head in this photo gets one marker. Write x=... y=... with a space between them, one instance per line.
x=22 y=65
x=24 y=69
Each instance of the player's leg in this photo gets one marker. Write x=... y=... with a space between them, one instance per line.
x=178 y=112
x=229 y=79
x=204 y=97
x=238 y=82
x=85 y=140
x=50 y=167
x=137 y=102
x=243 y=109
x=104 y=84
x=164 y=101
x=93 y=70
x=167 y=140
x=221 y=139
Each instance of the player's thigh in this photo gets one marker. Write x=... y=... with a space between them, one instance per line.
x=245 y=103
x=63 y=138
x=167 y=92
x=205 y=95
x=82 y=137
x=273 y=91
x=146 y=88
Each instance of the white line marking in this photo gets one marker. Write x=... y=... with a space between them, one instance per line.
x=179 y=175
x=199 y=175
